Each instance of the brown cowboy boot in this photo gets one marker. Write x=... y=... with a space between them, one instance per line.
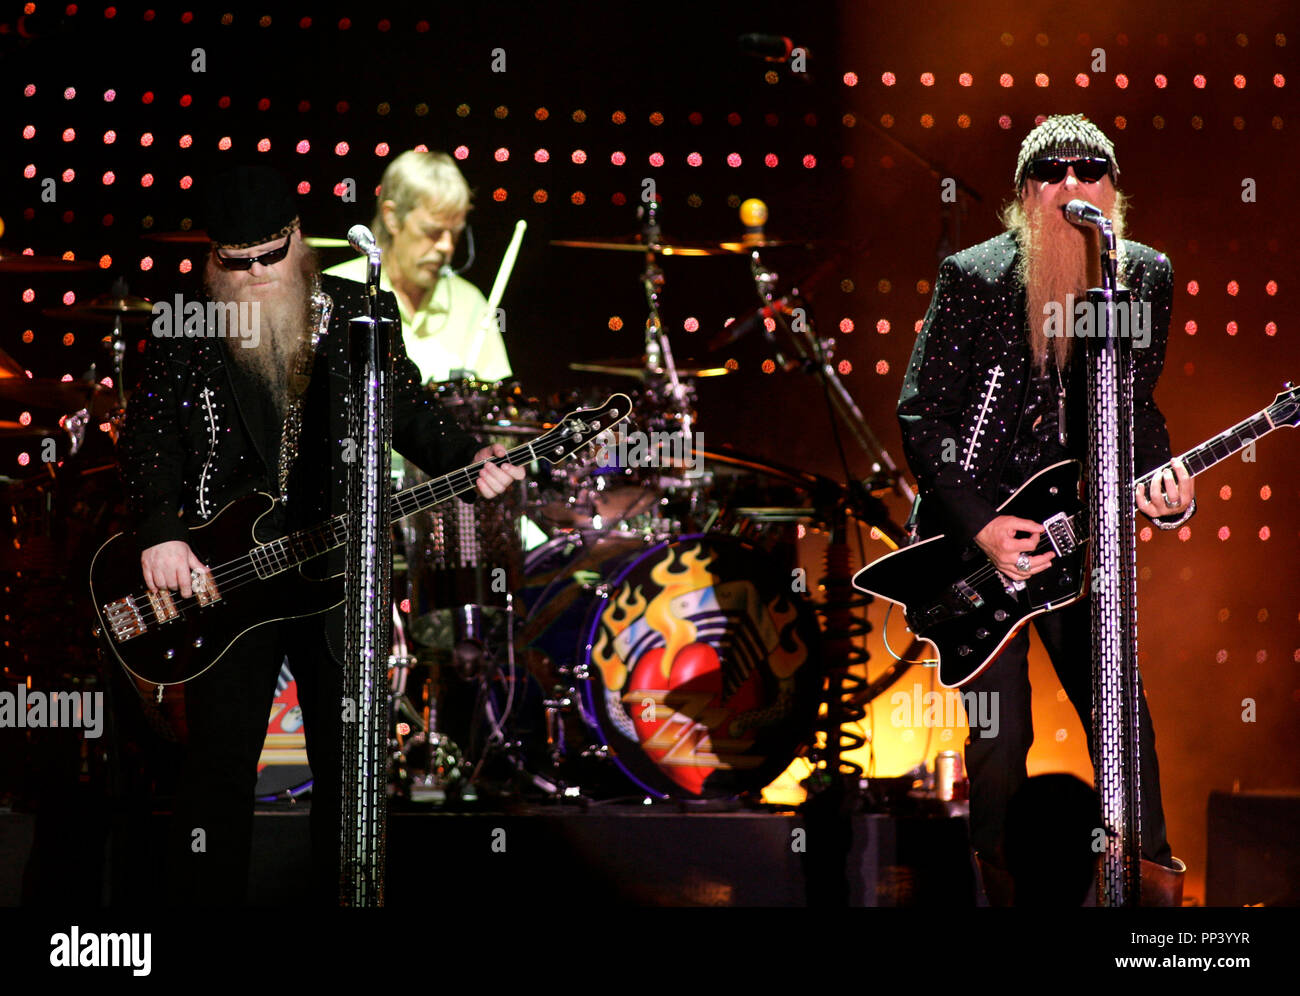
x=1162 y=886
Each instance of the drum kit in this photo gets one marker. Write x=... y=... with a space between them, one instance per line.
x=621 y=626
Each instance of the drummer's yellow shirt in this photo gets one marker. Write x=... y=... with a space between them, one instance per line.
x=441 y=332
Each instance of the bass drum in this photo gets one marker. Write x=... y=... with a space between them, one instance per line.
x=695 y=663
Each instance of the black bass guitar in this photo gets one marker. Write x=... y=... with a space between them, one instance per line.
x=163 y=639
x=954 y=598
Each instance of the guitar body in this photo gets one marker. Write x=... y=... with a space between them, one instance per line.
x=953 y=597
x=199 y=635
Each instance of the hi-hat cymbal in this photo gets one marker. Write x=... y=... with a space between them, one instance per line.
x=9 y=367
x=636 y=366
x=763 y=242
x=61 y=395
x=16 y=262
x=637 y=243
x=105 y=308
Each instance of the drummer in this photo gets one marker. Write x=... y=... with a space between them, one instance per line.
x=419 y=220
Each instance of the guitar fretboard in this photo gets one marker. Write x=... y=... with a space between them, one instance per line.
x=1222 y=446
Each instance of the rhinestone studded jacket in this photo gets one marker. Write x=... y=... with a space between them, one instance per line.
x=967 y=382
x=193 y=441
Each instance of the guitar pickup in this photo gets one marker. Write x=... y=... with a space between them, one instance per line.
x=124 y=619
x=1060 y=533
x=164 y=609
x=969 y=593
x=205 y=589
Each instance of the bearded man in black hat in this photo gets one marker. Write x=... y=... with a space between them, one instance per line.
x=258 y=403
x=990 y=398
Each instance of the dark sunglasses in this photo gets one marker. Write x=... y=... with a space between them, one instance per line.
x=246 y=262
x=1054 y=170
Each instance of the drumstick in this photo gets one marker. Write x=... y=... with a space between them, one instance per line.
x=498 y=288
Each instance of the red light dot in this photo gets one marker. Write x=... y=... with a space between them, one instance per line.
x=345 y=23
x=1145 y=534
x=615 y=323
x=69 y=93
x=809 y=161
x=146 y=139
x=501 y=155
x=1040 y=79
x=105 y=262
x=1081 y=80
x=146 y=180
x=25 y=418
x=1190 y=328
x=341 y=149
x=1270 y=328
x=770 y=160
x=541 y=156
x=110 y=12
x=146 y=263
x=29 y=90
x=1006 y=80
x=694 y=159
x=1004 y=122
x=1121 y=81
x=882 y=367
x=29 y=170
x=1161 y=81
x=768 y=366
x=24 y=459
x=883 y=326
x=223 y=102
x=1198 y=81
x=186 y=100
x=499 y=194
x=1279 y=80
x=1239 y=81
x=186 y=141
x=147 y=97
x=223 y=143
x=1225 y=492
x=185 y=266
x=1270 y=288
x=733 y=119
x=579 y=157
x=733 y=159
x=850 y=79
x=769 y=323
x=1224 y=533
x=617 y=158
x=1185 y=533
x=965 y=79
x=69 y=298
x=618 y=117
x=1193 y=288
x=695 y=118
x=1221 y=657
x=889 y=79
x=656 y=119
x=656 y=159
x=1265 y=493
x=618 y=198
x=927 y=79
x=1264 y=532
x=691 y=325
x=303 y=147
x=381 y=149
x=461 y=152
x=69 y=134
x=1233 y=287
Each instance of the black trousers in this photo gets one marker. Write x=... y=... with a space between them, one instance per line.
x=996 y=765
x=227 y=711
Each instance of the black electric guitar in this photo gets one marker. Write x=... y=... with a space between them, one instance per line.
x=953 y=596
x=163 y=639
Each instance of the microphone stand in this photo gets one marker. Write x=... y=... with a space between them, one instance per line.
x=367 y=622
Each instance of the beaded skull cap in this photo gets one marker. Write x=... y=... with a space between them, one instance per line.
x=1065 y=136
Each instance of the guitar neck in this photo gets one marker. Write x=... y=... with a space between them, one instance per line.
x=305 y=544
x=1222 y=446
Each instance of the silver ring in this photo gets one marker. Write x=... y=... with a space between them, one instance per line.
x=1173 y=502
x=1022 y=562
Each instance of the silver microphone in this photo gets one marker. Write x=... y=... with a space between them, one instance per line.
x=363 y=241
x=1082 y=213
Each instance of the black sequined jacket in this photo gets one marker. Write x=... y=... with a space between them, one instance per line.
x=967 y=382
x=195 y=439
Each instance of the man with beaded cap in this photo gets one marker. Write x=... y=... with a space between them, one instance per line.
x=991 y=397
x=223 y=413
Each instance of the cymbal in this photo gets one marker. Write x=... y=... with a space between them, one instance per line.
x=16 y=430
x=637 y=243
x=194 y=235
x=61 y=395
x=635 y=366
x=16 y=262
x=105 y=308
x=9 y=367
x=763 y=242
